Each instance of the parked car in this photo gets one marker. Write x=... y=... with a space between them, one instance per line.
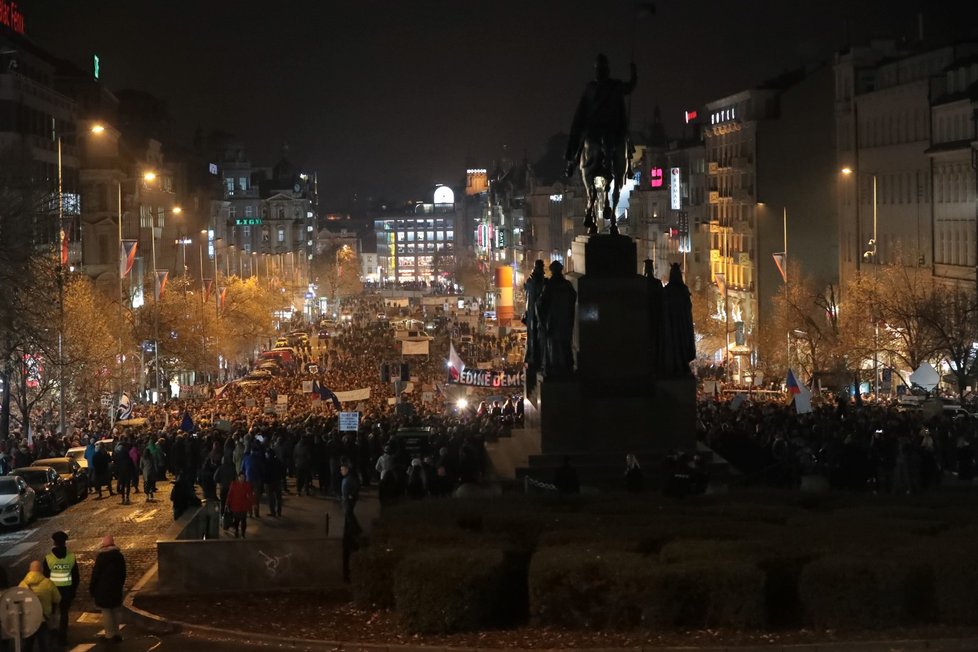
x=17 y=501
x=71 y=472
x=78 y=455
x=51 y=491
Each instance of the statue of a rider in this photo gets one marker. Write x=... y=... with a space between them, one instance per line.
x=598 y=141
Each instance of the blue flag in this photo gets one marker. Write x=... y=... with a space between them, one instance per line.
x=325 y=394
x=187 y=425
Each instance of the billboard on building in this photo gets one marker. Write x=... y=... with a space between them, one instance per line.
x=476 y=181
x=675 y=189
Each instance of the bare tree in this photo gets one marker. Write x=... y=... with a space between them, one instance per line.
x=952 y=319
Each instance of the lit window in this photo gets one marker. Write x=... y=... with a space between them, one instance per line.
x=242 y=183
x=249 y=211
x=281 y=235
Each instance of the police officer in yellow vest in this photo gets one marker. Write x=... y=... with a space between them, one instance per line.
x=61 y=566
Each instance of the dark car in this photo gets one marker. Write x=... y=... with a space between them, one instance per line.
x=71 y=472
x=51 y=490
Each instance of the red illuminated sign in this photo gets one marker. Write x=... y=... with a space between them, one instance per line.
x=655 y=178
x=690 y=116
x=11 y=17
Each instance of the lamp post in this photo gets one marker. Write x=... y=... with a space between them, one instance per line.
x=95 y=129
x=872 y=253
x=157 y=293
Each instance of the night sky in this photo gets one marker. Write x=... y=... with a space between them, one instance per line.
x=384 y=98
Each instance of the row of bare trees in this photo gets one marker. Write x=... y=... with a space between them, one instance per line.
x=899 y=315
x=101 y=342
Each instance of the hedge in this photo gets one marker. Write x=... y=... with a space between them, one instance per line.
x=850 y=592
x=723 y=593
x=448 y=590
x=372 y=568
x=371 y=574
x=587 y=588
x=642 y=540
x=955 y=576
x=685 y=550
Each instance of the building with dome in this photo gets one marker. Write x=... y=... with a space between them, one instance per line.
x=418 y=246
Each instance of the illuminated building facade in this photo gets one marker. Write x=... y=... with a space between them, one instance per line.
x=418 y=247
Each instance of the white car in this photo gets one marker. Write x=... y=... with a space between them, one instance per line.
x=17 y=501
x=78 y=454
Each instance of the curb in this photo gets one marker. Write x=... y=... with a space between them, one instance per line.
x=217 y=634
x=150 y=621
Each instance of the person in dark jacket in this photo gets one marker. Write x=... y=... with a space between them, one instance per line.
x=634 y=478
x=273 y=482
x=124 y=470
x=224 y=476
x=565 y=478
x=101 y=472
x=182 y=495
x=107 y=584
x=60 y=567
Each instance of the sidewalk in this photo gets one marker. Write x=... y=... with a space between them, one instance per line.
x=309 y=515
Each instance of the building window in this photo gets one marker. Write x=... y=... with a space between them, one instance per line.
x=246 y=232
x=232 y=212
x=229 y=185
x=242 y=183
x=281 y=235
x=281 y=213
x=249 y=211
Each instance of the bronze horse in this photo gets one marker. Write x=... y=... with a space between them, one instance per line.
x=607 y=161
x=598 y=141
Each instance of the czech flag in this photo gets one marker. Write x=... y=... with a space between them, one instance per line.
x=127 y=256
x=162 y=276
x=792 y=383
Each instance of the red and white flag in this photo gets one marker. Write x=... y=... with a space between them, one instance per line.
x=779 y=261
x=127 y=256
x=455 y=364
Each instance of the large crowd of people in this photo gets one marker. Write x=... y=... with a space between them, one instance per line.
x=877 y=447
x=203 y=444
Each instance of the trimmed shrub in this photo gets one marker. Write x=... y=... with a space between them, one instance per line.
x=642 y=540
x=449 y=590
x=372 y=568
x=581 y=588
x=955 y=576
x=372 y=576
x=782 y=573
x=726 y=593
x=685 y=550
x=847 y=592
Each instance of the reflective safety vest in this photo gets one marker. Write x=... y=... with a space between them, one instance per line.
x=60 y=568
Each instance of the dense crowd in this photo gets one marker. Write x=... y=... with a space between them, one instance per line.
x=867 y=447
x=204 y=444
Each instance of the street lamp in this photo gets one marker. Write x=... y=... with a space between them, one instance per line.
x=95 y=129
x=871 y=254
x=149 y=177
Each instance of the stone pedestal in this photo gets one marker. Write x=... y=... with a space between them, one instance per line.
x=614 y=403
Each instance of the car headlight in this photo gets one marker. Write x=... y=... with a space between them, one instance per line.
x=10 y=508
